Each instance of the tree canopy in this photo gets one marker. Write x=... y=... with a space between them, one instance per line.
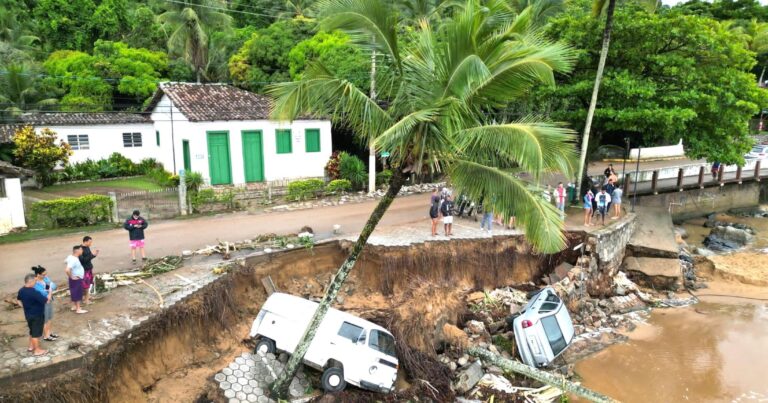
x=669 y=76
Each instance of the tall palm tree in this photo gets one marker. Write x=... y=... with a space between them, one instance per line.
x=442 y=87
x=15 y=33
x=190 y=24
x=19 y=91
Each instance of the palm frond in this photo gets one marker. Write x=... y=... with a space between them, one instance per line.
x=398 y=136
x=370 y=23
x=536 y=147
x=507 y=195
x=320 y=93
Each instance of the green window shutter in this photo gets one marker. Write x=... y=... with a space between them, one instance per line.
x=312 y=140
x=283 y=141
x=157 y=137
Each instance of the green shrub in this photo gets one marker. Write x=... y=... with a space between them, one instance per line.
x=122 y=166
x=193 y=180
x=352 y=169
x=71 y=211
x=338 y=186
x=305 y=189
x=332 y=166
x=146 y=165
x=383 y=177
x=204 y=197
x=163 y=178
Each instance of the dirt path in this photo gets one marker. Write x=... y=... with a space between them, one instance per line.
x=171 y=237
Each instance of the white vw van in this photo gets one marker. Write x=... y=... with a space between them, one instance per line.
x=347 y=349
x=544 y=329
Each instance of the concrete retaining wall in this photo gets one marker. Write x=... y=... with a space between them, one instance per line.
x=658 y=152
x=700 y=202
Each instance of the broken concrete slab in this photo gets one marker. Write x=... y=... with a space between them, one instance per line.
x=657 y=273
x=469 y=376
x=654 y=234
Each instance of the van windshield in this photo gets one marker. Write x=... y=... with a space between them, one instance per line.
x=554 y=334
x=383 y=342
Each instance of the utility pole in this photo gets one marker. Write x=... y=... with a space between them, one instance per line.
x=371 y=148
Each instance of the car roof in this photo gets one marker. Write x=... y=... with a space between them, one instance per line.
x=291 y=305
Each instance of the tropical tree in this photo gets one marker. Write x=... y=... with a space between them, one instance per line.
x=40 y=152
x=20 y=91
x=440 y=89
x=190 y=25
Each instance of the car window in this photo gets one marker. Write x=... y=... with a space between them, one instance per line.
x=554 y=334
x=552 y=298
x=350 y=332
x=548 y=307
x=383 y=342
x=757 y=149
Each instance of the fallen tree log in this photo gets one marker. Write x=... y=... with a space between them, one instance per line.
x=539 y=375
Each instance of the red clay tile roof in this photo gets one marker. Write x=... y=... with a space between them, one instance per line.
x=83 y=118
x=7 y=131
x=210 y=102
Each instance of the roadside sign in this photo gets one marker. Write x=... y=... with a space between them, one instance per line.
x=384 y=154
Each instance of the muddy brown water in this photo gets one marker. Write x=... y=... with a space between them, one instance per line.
x=714 y=351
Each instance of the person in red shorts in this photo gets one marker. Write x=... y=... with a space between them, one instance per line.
x=135 y=225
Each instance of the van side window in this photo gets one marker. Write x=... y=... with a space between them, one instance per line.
x=553 y=298
x=383 y=342
x=350 y=332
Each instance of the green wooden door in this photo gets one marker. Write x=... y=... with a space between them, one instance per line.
x=253 y=156
x=218 y=158
x=187 y=157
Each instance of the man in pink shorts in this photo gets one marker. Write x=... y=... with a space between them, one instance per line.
x=135 y=225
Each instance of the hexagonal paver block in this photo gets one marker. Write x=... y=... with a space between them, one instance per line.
x=253 y=383
x=249 y=362
x=245 y=367
x=240 y=360
x=237 y=387
x=231 y=378
x=240 y=395
x=252 y=398
x=229 y=393
x=242 y=381
x=220 y=377
x=227 y=371
x=247 y=389
x=258 y=391
x=263 y=399
x=238 y=373
x=225 y=385
x=234 y=400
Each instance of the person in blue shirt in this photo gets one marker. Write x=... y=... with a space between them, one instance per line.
x=33 y=303
x=46 y=287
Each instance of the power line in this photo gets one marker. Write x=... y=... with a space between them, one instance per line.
x=222 y=9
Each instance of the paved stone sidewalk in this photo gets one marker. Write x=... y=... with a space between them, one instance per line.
x=248 y=377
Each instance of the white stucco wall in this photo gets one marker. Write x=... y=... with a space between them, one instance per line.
x=297 y=164
x=658 y=152
x=107 y=139
x=11 y=206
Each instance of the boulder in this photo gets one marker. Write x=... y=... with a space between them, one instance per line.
x=476 y=327
x=657 y=273
x=469 y=376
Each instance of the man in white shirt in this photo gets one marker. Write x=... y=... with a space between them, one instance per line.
x=75 y=273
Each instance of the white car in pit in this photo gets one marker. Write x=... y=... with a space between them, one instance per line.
x=544 y=329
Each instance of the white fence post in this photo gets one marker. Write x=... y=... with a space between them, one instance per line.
x=113 y=197
x=182 y=193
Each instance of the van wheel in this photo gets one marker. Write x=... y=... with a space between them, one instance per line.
x=333 y=380
x=265 y=346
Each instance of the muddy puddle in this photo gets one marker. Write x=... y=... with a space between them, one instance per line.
x=709 y=352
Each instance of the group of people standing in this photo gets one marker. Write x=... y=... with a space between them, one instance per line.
x=441 y=205
x=36 y=297
x=601 y=199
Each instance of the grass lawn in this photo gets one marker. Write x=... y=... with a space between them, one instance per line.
x=100 y=187
x=137 y=183
x=33 y=234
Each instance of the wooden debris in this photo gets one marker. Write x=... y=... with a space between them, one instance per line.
x=269 y=285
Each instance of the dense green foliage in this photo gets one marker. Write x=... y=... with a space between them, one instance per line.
x=338 y=186
x=352 y=169
x=71 y=212
x=115 y=166
x=40 y=152
x=305 y=189
x=687 y=78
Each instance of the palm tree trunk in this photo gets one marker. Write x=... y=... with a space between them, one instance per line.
x=557 y=381
x=280 y=387
x=595 y=90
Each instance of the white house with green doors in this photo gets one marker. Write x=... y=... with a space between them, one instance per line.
x=225 y=133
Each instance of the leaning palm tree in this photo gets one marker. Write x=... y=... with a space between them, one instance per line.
x=19 y=91
x=441 y=88
x=190 y=25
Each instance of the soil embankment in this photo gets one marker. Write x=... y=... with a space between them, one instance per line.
x=171 y=356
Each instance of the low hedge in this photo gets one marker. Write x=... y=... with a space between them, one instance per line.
x=305 y=189
x=338 y=186
x=71 y=212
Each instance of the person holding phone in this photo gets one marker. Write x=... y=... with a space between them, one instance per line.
x=135 y=225
x=46 y=287
x=86 y=259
